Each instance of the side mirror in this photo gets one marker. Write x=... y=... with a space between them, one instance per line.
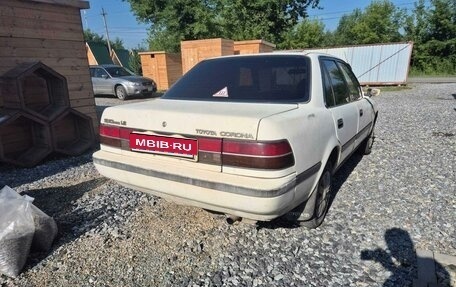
x=104 y=76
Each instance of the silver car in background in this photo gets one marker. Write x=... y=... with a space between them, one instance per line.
x=118 y=81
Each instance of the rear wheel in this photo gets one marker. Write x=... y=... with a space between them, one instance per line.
x=321 y=198
x=121 y=93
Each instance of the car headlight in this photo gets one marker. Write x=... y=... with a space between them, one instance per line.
x=135 y=84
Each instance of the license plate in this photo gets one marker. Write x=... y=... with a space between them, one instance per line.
x=149 y=89
x=164 y=145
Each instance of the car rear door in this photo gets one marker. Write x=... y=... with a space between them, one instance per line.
x=339 y=102
x=363 y=106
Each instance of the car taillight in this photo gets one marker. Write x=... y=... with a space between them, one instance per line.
x=114 y=136
x=210 y=150
x=259 y=155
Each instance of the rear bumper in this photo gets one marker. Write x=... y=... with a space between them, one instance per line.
x=250 y=197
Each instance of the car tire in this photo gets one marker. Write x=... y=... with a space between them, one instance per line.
x=121 y=93
x=365 y=147
x=321 y=196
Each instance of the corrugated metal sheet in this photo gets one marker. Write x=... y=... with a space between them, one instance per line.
x=382 y=64
x=100 y=52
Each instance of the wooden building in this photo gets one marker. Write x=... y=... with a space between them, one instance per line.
x=164 y=68
x=49 y=31
x=46 y=95
x=253 y=47
x=195 y=51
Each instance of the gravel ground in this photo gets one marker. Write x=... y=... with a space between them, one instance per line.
x=399 y=198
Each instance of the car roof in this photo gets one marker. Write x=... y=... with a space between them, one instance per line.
x=105 y=66
x=314 y=55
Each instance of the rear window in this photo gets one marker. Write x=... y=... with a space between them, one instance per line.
x=276 y=78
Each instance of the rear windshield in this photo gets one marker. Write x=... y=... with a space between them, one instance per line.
x=271 y=78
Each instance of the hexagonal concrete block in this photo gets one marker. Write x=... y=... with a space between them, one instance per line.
x=35 y=88
x=25 y=140
x=72 y=133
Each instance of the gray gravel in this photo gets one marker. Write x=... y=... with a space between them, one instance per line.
x=399 y=198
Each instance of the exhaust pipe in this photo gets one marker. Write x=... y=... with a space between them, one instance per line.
x=231 y=219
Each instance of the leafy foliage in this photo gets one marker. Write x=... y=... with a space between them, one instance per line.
x=307 y=34
x=135 y=60
x=379 y=23
x=90 y=36
x=173 y=21
x=434 y=34
x=262 y=19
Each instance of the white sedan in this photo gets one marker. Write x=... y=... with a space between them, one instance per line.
x=251 y=136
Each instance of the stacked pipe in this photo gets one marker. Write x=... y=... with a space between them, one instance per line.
x=37 y=119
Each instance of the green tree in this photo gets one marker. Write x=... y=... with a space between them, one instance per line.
x=175 y=20
x=416 y=24
x=161 y=39
x=306 y=34
x=262 y=19
x=433 y=29
x=90 y=36
x=380 y=22
x=345 y=33
x=442 y=20
x=117 y=44
x=135 y=60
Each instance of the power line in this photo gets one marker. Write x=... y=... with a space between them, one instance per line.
x=315 y=16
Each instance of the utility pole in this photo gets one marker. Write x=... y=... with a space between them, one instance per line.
x=85 y=19
x=103 y=13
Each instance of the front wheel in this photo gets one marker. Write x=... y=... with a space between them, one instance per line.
x=121 y=93
x=322 y=194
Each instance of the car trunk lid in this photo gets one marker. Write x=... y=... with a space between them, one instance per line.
x=194 y=118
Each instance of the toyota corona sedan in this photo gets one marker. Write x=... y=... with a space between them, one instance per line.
x=250 y=136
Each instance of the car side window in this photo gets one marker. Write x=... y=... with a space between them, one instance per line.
x=100 y=72
x=339 y=86
x=352 y=82
x=92 y=72
x=328 y=92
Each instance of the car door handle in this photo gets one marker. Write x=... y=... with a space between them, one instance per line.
x=340 y=123
x=361 y=112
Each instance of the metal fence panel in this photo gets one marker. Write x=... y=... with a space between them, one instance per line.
x=382 y=64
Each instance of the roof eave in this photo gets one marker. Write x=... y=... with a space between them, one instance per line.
x=70 y=3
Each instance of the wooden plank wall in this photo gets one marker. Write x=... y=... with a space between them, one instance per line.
x=195 y=51
x=163 y=68
x=174 y=65
x=52 y=34
x=150 y=62
x=90 y=56
x=253 y=47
